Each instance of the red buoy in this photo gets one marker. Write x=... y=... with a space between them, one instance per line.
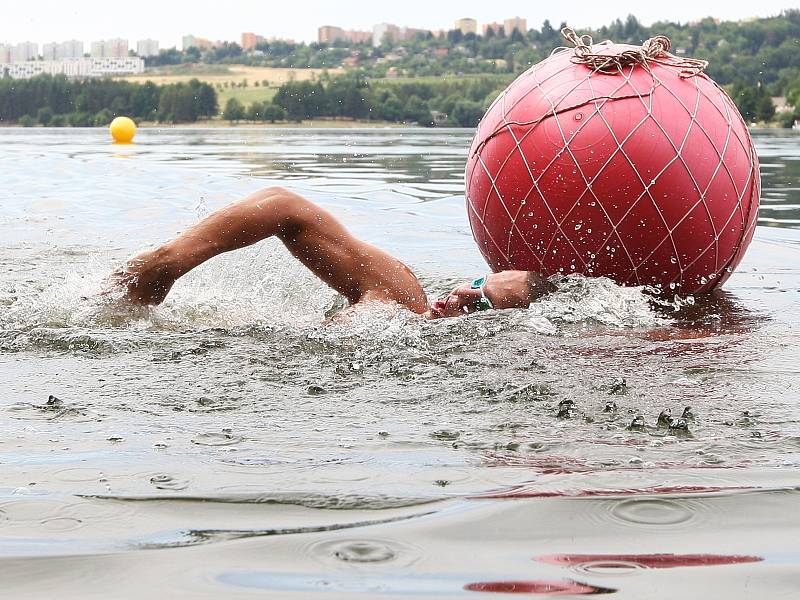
x=615 y=160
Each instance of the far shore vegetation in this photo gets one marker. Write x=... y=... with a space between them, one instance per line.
x=446 y=80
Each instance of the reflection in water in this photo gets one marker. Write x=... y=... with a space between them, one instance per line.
x=650 y=561
x=234 y=414
x=541 y=588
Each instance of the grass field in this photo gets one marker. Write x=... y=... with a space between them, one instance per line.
x=221 y=74
x=235 y=75
x=246 y=95
x=502 y=78
x=268 y=79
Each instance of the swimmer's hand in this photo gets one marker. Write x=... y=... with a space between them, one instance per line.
x=148 y=277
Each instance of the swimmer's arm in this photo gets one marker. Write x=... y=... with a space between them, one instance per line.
x=355 y=269
x=516 y=289
x=270 y=212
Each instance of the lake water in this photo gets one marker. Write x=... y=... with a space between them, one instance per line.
x=231 y=444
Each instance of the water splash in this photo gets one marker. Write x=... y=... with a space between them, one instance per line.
x=598 y=300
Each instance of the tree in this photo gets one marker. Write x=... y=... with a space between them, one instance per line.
x=103 y=118
x=234 y=110
x=44 y=116
x=80 y=119
x=302 y=99
x=273 y=113
x=255 y=112
x=390 y=108
x=206 y=98
x=765 y=109
x=27 y=121
x=467 y=113
x=417 y=111
x=517 y=37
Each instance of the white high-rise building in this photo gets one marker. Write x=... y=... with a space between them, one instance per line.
x=62 y=50
x=5 y=54
x=24 y=52
x=70 y=49
x=50 y=51
x=385 y=31
x=116 y=48
x=145 y=48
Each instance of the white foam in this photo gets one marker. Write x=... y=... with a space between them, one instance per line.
x=581 y=299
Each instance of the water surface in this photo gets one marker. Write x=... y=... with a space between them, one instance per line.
x=232 y=444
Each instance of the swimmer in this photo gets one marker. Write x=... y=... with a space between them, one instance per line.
x=354 y=268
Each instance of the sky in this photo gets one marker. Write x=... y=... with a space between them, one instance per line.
x=168 y=20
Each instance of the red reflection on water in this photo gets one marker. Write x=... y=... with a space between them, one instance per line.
x=672 y=489
x=547 y=588
x=652 y=561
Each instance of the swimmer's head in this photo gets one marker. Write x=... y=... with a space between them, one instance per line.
x=506 y=289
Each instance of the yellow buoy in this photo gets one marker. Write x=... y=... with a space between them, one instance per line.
x=122 y=130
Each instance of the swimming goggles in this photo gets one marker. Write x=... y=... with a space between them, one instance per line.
x=483 y=303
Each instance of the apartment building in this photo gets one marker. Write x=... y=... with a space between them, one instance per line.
x=145 y=48
x=518 y=23
x=467 y=25
x=77 y=67
x=114 y=48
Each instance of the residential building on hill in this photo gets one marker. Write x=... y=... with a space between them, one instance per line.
x=496 y=28
x=518 y=23
x=329 y=34
x=19 y=53
x=190 y=41
x=250 y=40
x=385 y=31
x=49 y=51
x=62 y=50
x=114 y=48
x=145 y=48
x=467 y=25
x=358 y=37
x=73 y=68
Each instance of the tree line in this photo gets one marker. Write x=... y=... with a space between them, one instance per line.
x=57 y=101
x=456 y=102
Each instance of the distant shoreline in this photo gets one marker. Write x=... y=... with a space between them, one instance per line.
x=317 y=123
x=307 y=124
x=221 y=123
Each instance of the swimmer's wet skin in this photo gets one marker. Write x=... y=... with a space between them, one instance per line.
x=359 y=271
